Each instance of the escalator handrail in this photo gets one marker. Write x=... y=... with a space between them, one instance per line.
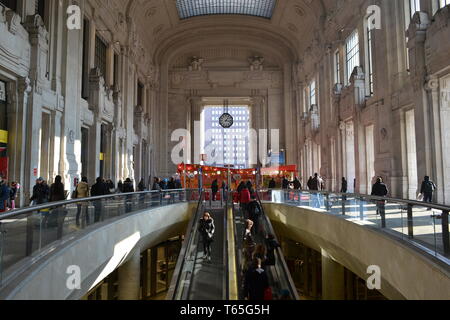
x=292 y=288
x=225 y=247
x=190 y=231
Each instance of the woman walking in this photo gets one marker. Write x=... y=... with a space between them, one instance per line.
x=206 y=228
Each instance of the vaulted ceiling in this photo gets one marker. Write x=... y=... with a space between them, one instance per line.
x=294 y=24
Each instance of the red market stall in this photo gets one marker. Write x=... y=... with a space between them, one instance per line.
x=189 y=175
x=245 y=175
x=278 y=173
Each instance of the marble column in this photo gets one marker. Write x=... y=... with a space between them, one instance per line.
x=437 y=158
x=195 y=115
x=423 y=115
x=18 y=137
x=333 y=279
x=129 y=277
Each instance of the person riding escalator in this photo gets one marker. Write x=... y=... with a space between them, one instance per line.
x=206 y=228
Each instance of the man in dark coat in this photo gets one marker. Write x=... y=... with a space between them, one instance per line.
x=156 y=186
x=254 y=213
x=310 y=183
x=271 y=245
x=128 y=186
x=297 y=184
x=40 y=192
x=57 y=190
x=97 y=190
x=256 y=282
x=344 y=186
x=171 y=184
x=285 y=184
x=58 y=214
x=379 y=189
x=427 y=189
x=272 y=184
x=214 y=189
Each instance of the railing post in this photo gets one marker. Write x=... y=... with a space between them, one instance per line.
x=382 y=205
x=29 y=236
x=410 y=221
x=361 y=208
x=445 y=233
x=210 y=199
x=344 y=200
x=327 y=205
x=160 y=198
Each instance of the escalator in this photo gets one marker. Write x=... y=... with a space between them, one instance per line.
x=222 y=278
x=194 y=277
x=280 y=280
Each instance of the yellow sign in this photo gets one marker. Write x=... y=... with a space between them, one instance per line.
x=102 y=156
x=3 y=136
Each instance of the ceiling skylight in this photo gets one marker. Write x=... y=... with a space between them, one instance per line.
x=193 y=8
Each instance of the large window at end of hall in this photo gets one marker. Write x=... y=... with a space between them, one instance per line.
x=193 y=8
x=351 y=54
x=227 y=146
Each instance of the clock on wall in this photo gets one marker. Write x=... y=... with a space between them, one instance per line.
x=226 y=120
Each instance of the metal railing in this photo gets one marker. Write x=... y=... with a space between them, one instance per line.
x=183 y=277
x=184 y=269
x=280 y=280
x=33 y=231
x=280 y=271
x=424 y=225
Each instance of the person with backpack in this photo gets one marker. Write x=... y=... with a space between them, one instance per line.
x=254 y=212
x=427 y=190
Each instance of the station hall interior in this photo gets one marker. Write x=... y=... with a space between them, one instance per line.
x=152 y=112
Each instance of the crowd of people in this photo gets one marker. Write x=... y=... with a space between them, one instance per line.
x=43 y=192
x=379 y=188
x=257 y=257
x=316 y=183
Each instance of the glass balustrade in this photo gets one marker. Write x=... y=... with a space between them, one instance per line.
x=35 y=230
x=424 y=225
